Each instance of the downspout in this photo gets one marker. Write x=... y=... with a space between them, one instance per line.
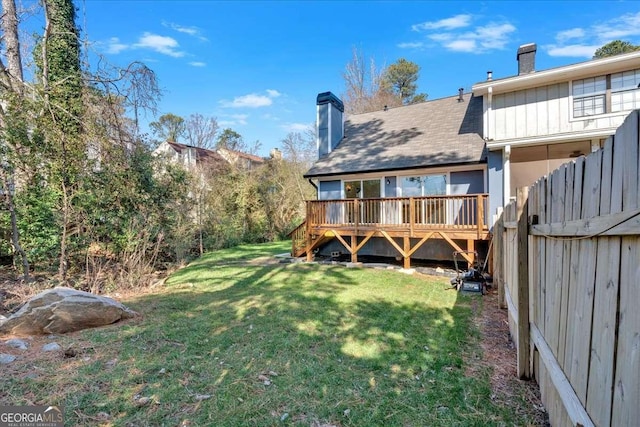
x=313 y=184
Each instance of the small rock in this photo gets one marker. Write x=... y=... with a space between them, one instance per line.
x=200 y=397
x=31 y=376
x=103 y=416
x=6 y=359
x=284 y=416
x=17 y=343
x=263 y=377
x=273 y=373
x=162 y=371
x=439 y=270
x=346 y=412
x=111 y=363
x=442 y=409
x=266 y=382
x=52 y=346
x=141 y=400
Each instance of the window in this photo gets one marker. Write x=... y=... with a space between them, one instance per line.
x=429 y=185
x=589 y=96
x=625 y=91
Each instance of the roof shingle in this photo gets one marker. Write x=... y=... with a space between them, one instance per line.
x=433 y=133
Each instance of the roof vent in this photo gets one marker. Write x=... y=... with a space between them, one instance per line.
x=489 y=75
x=460 y=91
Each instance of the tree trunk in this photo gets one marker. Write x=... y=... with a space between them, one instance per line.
x=12 y=44
x=15 y=233
x=62 y=268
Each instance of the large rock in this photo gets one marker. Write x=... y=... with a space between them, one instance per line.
x=60 y=310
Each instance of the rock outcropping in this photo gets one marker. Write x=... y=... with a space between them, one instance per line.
x=61 y=310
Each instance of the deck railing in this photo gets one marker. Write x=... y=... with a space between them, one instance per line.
x=432 y=212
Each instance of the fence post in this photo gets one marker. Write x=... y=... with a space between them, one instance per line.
x=522 y=205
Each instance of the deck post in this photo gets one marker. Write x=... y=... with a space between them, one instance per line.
x=354 y=248
x=471 y=247
x=308 y=234
x=406 y=248
x=480 y=214
x=412 y=214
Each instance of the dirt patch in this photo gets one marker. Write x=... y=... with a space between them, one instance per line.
x=499 y=355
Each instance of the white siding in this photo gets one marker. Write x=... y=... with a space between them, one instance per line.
x=543 y=111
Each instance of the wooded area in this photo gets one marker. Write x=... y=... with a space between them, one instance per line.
x=567 y=257
x=84 y=199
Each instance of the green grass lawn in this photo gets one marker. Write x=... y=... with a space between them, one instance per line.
x=225 y=343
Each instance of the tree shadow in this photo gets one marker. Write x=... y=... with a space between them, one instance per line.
x=328 y=342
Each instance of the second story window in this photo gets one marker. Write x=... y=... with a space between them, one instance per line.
x=625 y=90
x=589 y=96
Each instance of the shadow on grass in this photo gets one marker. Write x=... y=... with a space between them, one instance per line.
x=296 y=344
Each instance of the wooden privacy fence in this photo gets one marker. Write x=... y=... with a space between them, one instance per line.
x=567 y=266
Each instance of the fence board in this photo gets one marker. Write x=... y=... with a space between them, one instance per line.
x=626 y=398
x=574 y=267
x=600 y=386
x=584 y=270
x=583 y=313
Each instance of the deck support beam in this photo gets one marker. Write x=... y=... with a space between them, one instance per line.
x=406 y=249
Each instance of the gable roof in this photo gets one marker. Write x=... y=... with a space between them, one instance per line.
x=433 y=133
x=202 y=154
x=607 y=65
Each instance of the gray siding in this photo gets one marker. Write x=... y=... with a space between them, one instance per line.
x=496 y=189
x=467 y=182
x=323 y=130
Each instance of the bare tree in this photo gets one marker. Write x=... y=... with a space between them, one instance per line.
x=201 y=131
x=365 y=88
x=13 y=78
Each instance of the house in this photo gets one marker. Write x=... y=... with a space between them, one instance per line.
x=537 y=120
x=389 y=181
x=242 y=160
x=189 y=156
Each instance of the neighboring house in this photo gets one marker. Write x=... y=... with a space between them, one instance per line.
x=390 y=181
x=242 y=160
x=189 y=156
x=537 y=120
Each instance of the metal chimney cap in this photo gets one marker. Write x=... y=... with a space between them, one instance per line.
x=328 y=97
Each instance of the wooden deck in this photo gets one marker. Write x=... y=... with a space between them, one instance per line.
x=434 y=217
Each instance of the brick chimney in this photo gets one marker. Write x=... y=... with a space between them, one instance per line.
x=526 y=58
x=330 y=127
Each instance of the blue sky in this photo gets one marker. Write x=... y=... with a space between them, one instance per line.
x=258 y=66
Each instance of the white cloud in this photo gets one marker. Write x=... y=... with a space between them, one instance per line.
x=492 y=36
x=573 y=50
x=295 y=127
x=233 y=120
x=410 y=45
x=584 y=42
x=197 y=64
x=192 y=31
x=115 y=47
x=462 y=45
x=618 y=28
x=252 y=100
x=161 y=44
x=457 y=21
x=573 y=33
